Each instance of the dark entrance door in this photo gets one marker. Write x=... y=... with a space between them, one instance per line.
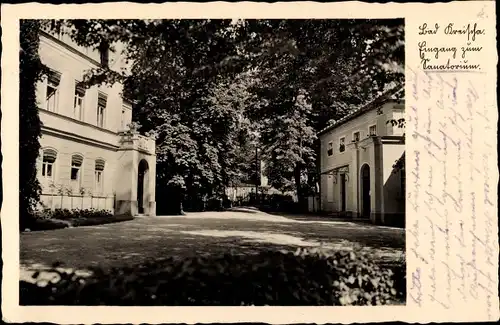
x=140 y=191
x=365 y=190
x=342 y=192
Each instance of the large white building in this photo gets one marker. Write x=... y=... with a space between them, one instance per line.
x=357 y=157
x=90 y=158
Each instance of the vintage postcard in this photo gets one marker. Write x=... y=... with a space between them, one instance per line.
x=249 y=162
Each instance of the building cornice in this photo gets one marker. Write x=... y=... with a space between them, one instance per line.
x=70 y=119
x=78 y=138
x=375 y=103
x=70 y=48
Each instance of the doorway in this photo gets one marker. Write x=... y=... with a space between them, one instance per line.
x=342 y=192
x=365 y=191
x=142 y=186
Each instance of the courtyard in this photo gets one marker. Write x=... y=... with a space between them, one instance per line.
x=240 y=232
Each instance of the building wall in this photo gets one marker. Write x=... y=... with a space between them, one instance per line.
x=369 y=151
x=394 y=196
x=72 y=67
x=360 y=124
x=68 y=134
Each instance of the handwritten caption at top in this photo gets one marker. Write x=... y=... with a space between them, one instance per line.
x=464 y=57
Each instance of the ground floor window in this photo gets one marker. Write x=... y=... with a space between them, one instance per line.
x=99 y=176
x=76 y=170
x=48 y=165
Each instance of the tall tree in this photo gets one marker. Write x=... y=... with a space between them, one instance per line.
x=312 y=72
x=30 y=72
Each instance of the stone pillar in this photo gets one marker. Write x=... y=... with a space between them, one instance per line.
x=377 y=186
x=354 y=180
x=152 y=186
x=126 y=179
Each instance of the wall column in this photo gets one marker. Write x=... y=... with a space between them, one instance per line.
x=354 y=180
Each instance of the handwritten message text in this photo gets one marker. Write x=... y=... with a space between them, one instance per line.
x=452 y=176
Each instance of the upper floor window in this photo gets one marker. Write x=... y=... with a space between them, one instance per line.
x=356 y=136
x=48 y=164
x=76 y=166
x=330 y=148
x=52 y=91
x=101 y=109
x=372 y=131
x=342 y=144
x=78 y=101
x=99 y=176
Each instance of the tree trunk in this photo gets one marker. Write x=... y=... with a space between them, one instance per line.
x=297 y=182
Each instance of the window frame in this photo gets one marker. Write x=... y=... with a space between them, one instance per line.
x=52 y=80
x=358 y=132
x=102 y=103
x=370 y=132
x=80 y=93
x=99 y=167
x=329 y=149
x=342 y=144
x=78 y=181
x=45 y=179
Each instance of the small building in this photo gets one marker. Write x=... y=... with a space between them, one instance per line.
x=358 y=153
x=90 y=157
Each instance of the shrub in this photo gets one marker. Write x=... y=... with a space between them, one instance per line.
x=308 y=277
x=63 y=218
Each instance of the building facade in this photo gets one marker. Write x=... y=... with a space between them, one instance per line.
x=91 y=156
x=358 y=153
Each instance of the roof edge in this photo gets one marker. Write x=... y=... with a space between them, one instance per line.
x=377 y=102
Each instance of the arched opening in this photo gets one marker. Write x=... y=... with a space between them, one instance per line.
x=143 y=187
x=365 y=191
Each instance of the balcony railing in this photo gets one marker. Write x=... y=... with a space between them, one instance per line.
x=134 y=140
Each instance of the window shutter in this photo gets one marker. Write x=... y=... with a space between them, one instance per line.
x=99 y=164
x=76 y=160
x=49 y=155
x=79 y=88
x=102 y=100
x=54 y=77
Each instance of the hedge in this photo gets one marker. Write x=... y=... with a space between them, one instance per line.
x=64 y=218
x=309 y=277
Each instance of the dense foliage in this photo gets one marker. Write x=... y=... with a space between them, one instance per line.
x=306 y=277
x=213 y=91
x=30 y=71
x=312 y=72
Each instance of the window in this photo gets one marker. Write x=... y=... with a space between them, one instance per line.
x=52 y=93
x=76 y=168
x=372 y=131
x=101 y=109
x=330 y=148
x=342 y=144
x=78 y=102
x=48 y=164
x=355 y=136
x=99 y=176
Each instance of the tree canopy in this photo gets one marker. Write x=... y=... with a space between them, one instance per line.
x=209 y=91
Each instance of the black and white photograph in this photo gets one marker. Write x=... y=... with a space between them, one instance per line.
x=212 y=162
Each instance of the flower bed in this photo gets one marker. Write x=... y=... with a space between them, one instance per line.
x=307 y=277
x=64 y=218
